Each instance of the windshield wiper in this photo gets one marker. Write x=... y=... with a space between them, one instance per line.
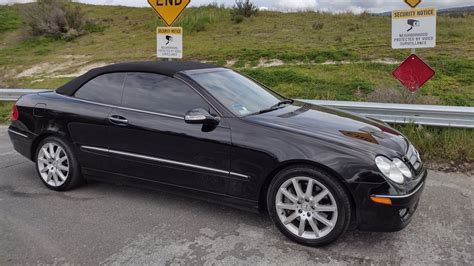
x=285 y=101
x=276 y=106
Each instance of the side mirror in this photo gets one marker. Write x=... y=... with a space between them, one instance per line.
x=200 y=116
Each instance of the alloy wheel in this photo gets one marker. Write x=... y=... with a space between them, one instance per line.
x=306 y=207
x=53 y=164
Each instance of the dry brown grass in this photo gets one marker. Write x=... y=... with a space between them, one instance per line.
x=55 y=18
x=394 y=95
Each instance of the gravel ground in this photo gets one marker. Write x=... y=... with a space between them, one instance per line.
x=101 y=223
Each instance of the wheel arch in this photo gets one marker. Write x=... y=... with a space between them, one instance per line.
x=41 y=137
x=292 y=163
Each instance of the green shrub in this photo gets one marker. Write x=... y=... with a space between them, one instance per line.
x=95 y=27
x=237 y=19
x=244 y=8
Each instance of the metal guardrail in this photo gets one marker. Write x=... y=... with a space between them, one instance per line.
x=430 y=115
x=11 y=95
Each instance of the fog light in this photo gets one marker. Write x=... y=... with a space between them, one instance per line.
x=403 y=212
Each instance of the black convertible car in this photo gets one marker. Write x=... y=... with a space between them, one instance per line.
x=212 y=133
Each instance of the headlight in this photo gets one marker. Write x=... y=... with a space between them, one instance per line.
x=414 y=150
x=395 y=170
x=402 y=167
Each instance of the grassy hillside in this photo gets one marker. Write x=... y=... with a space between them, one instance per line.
x=316 y=55
x=302 y=55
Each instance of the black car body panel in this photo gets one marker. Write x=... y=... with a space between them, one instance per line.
x=231 y=163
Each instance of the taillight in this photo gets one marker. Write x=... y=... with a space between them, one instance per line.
x=15 y=113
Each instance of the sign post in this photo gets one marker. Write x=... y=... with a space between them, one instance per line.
x=413 y=28
x=169 y=39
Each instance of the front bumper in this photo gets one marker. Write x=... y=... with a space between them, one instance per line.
x=374 y=216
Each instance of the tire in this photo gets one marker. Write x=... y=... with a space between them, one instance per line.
x=326 y=214
x=57 y=174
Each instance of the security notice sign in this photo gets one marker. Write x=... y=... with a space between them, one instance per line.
x=169 y=42
x=414 y=28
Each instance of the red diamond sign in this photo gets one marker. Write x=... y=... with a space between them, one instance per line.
x=413 y=73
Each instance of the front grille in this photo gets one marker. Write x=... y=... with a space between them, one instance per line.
x=413 y=158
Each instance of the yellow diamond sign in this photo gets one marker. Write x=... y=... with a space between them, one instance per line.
x=169 y=10
x=413 y=3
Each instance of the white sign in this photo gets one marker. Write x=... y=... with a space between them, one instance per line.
x=169 y=42
x=414 y=28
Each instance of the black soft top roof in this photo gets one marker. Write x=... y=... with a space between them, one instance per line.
x=167 y=68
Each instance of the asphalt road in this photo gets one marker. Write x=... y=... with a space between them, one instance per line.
x=101 y=223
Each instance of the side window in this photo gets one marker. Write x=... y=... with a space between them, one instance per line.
x=161 y=94
x=106 y=89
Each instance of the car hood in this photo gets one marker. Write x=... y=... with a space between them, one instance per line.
x=332 y=124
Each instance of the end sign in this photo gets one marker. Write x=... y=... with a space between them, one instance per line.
x=169 y=10
x=413 y=3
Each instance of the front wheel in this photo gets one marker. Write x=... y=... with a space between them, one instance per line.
x=308 y=206
x=56 y=165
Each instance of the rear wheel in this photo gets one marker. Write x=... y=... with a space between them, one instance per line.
x=57 y=165
x=308 y=206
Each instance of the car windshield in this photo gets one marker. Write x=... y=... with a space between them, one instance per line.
x=239 y=94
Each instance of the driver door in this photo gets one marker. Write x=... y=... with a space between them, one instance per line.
x=149 y=139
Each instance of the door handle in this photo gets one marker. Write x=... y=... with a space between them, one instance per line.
x=118 y=120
